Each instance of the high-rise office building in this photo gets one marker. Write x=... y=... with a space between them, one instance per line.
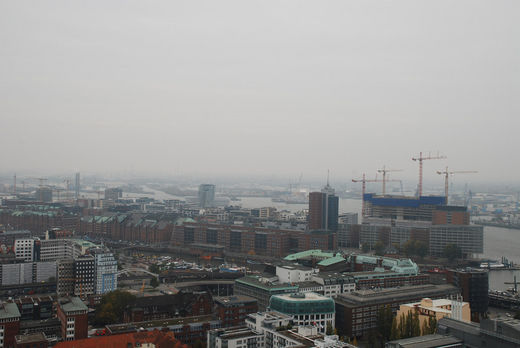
x=323 y=209
x=113 y=193
x=206 y=195
x=106 y=271
x=76 y=187
x=44 y=194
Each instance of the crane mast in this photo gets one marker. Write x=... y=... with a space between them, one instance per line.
x=420 y=159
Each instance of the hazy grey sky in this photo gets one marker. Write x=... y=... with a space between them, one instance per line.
x=259 y=87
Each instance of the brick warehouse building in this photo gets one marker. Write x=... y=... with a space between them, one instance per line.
x=147 y=228
x=162 y=228
x=233 y=310
x=253 y=240
x=9 y=324
x=72 y=314
x=37 y=219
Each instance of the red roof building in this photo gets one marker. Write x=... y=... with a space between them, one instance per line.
x=160 y=339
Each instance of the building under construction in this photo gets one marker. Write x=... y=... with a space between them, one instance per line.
x=397 y=219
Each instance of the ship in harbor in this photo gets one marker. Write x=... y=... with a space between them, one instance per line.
x=509 y=299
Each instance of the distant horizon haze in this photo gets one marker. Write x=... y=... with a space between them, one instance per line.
x=262 y=89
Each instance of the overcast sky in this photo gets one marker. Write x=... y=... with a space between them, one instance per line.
x=260 y=87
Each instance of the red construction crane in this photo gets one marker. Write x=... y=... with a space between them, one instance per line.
x=421 y=159
x=447 y=173
x=363 y=188
x=384 y=171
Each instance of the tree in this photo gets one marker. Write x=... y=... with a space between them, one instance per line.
x=394 y=332
x=365 y=248
x=154 y=268
x=379 y=247
x=432 y=324
x=198 y=344
x=452 y=251
x=409 y=247
x=421 y=248
x=111 y=307
x=384 y=320
x=416 y=324
x=154 y=282
x=330 y=329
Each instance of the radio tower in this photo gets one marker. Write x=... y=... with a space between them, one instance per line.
x=420 y=159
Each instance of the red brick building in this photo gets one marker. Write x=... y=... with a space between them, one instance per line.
x=253 y=240
x=72 y=313
x=9 y=324
x=159 y=339
x=232 y=310
x=450 y=216
x=169 y=306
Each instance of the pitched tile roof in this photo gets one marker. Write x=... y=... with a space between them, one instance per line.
x=160 y=339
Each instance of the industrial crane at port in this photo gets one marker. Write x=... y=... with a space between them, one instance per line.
x=447 y=174
x=420 y=159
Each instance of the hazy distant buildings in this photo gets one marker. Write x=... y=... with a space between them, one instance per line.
x=323 y=209
x=113 y=193
x=44 y=194
x=76 y=187
x=206 y=195
x=348 y=218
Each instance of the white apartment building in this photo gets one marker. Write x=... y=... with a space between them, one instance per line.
x=294 y=273
x=24 y=249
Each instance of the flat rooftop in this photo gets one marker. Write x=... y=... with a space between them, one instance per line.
x=428 y=341
x=253 y=281
x=72 y=304
x=235 y=299
x=30 y=338
x=303 y=296
x=402 y=293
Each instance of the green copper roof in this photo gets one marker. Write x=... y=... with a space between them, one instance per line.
x=309 y=253
x=331 y=261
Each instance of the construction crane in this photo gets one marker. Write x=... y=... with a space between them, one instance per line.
x=420 y=159
x=447 y=174
x=14 y=183
x=384 y=171
x=363 y=181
